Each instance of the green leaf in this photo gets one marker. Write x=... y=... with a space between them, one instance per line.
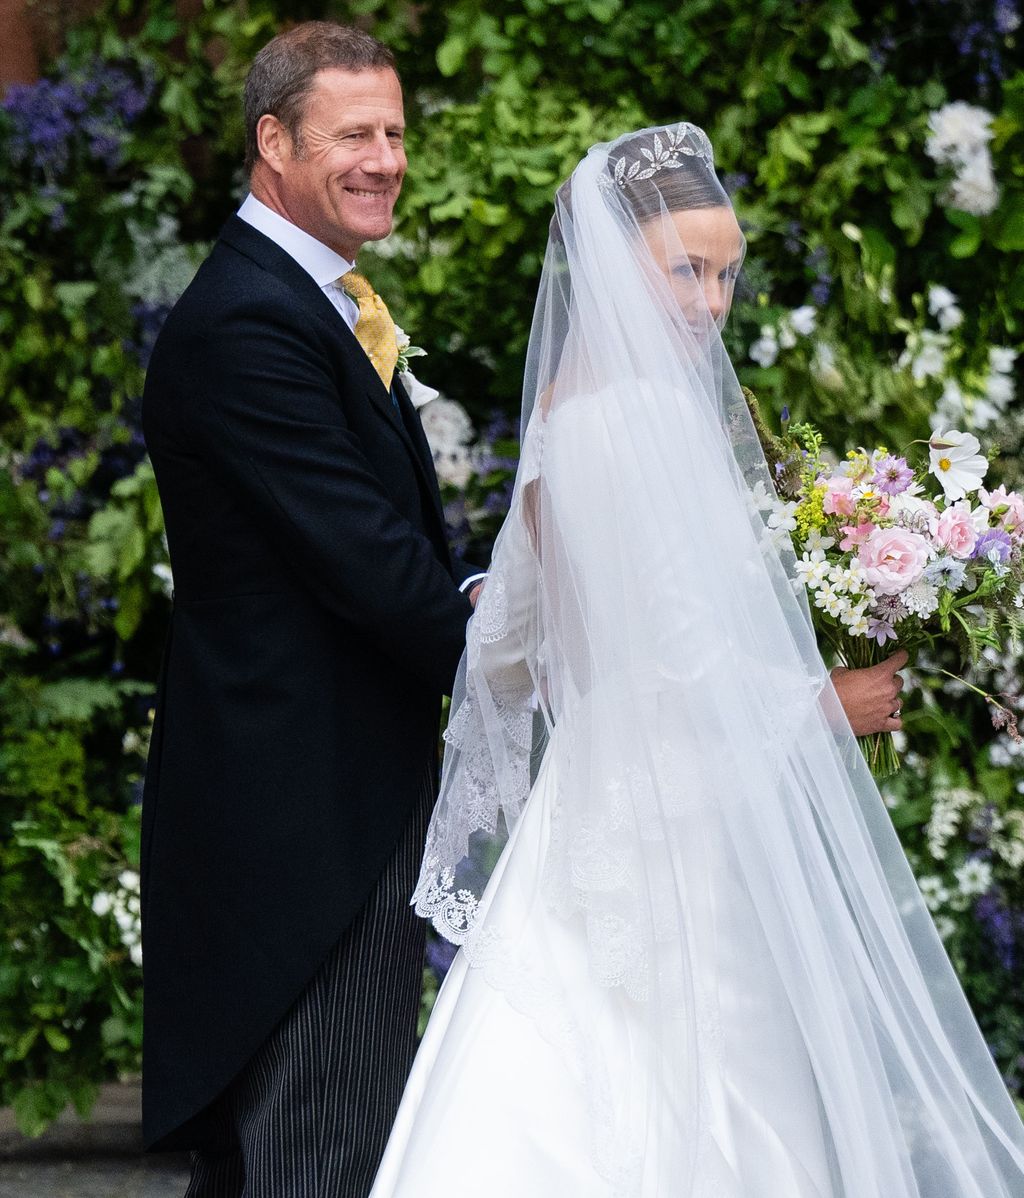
x=910 y=207
x=23 y=1045
x=114 y=1031
x=451 y=54
x=1009 y=234
x=129 y=614
x=432 y=276
x=76 y=700
x=56 y=1039
x=179 y=100
x=73 y=297
x=968 y=241
x=910 y=815
x=35 y=297
x=37 y=1105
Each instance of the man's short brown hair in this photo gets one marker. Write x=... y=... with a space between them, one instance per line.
x=281 y=76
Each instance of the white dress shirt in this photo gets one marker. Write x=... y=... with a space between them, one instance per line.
x=319 y=261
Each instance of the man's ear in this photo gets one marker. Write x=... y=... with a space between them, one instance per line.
x=274 y=142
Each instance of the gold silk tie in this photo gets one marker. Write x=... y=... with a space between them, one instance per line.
x=375 y=330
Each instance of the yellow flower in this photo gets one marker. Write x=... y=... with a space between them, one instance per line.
x=811 y=512
x=861 y=466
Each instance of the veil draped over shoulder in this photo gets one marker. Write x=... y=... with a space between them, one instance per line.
x=715 y=834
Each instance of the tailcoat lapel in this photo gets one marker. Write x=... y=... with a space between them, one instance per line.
x=241 y=236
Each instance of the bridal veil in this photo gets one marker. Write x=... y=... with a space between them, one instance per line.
x=715 y=835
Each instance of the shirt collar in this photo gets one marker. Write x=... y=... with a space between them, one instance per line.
x=313 y=256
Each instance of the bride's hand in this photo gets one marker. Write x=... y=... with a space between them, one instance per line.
x=871 y=696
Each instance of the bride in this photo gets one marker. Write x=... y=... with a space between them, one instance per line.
x=700 y=967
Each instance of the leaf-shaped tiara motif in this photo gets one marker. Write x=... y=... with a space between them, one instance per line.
x=679 y=140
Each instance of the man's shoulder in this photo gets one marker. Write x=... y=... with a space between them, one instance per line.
x=229 y=285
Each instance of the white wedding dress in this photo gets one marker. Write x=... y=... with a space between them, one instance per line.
x=496 y=1104
x=700 y=967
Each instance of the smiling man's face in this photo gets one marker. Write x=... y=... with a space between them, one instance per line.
x=340 y=178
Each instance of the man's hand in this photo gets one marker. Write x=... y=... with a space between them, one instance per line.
x=474 y=593
x=871 y=697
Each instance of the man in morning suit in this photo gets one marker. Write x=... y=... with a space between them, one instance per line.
x=317 y=621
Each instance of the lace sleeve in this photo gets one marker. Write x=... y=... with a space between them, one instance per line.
x=486 y=776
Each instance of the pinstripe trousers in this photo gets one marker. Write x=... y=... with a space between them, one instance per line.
x=309 y=1115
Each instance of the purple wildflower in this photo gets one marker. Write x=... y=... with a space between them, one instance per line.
x=892 y=474
x=880 y=630
x=891 y=608
x=994 y=546
x=1007 y=17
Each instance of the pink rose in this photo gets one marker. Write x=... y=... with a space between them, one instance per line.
x=856 y=536
x=838 y=499
x=893 y=559
x=1012 y=518
x=954 y=530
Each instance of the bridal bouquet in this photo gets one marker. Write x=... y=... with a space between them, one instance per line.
x=917 y=555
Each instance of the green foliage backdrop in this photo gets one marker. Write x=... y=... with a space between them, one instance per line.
x=116 y=171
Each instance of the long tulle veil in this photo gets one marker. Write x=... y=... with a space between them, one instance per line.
x=715 y=834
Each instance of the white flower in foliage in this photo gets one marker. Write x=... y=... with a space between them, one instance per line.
x=939 y=298
x=1001 y=358
x=974 y=189
x=942 y=304
x=765 y=349
x=449 y=432
x=957 y=132
x=925 y=354
x=958 y=136
x=974 y=877
x=804 y=319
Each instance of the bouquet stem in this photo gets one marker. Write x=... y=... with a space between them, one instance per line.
x=881 y=754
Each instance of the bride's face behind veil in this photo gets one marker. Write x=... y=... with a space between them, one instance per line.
x=700 y=251
x=685 y=218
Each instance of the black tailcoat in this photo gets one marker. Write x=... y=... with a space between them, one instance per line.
x=316 y=625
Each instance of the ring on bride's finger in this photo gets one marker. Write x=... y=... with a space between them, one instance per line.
x=896 y=713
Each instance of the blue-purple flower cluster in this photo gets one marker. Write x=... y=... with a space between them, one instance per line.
x=1003 y=928
x=83 y=114
x=474 y=515
x=981 y=33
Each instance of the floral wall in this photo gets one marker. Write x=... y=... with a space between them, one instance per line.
x=875 y=154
